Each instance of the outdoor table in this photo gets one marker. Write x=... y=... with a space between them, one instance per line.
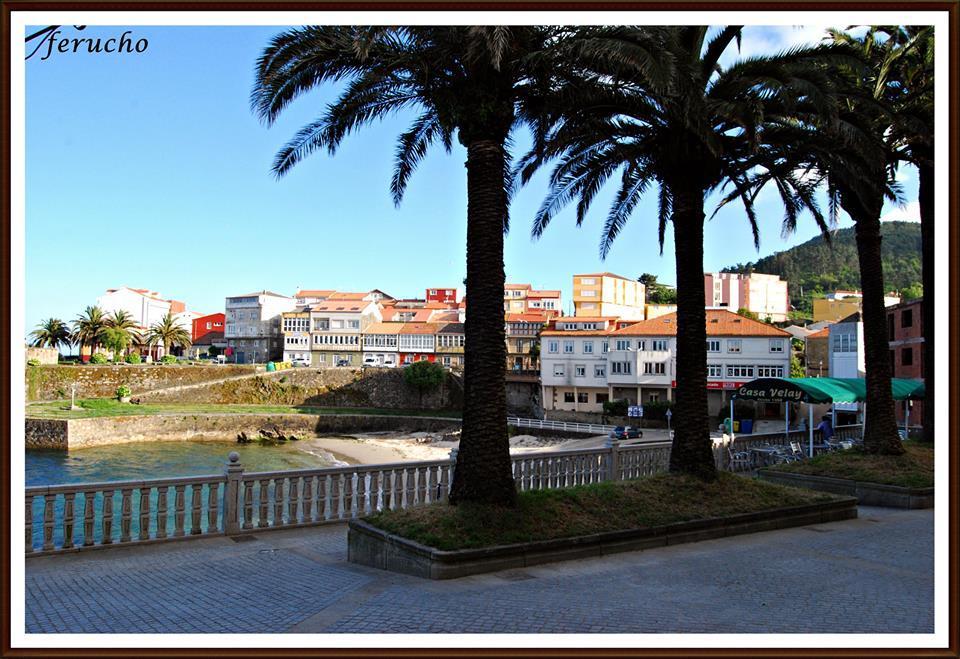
x=763 y=455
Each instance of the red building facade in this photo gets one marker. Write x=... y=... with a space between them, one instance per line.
x=445 y=295
x=205 y=324
x=905 y=332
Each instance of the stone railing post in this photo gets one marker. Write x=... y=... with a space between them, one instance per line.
x=453 y=466
x=231 y=495
x=614 y=446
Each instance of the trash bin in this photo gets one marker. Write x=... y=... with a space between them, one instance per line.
x=736 y=426
x=271 y=367
x=746 y=426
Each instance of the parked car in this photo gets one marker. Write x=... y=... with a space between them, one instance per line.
x=628 y=432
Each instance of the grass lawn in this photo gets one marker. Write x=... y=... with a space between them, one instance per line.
x=912 y=469
x=105 y=407
x=587 y=509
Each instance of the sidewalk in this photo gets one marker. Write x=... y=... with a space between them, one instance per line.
x=873 y=574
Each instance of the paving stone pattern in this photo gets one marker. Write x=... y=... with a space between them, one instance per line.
x=870 y=575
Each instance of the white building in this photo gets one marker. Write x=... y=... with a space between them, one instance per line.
x=380 y=345
x=146 y=307
x=252 y=329
x=764 y=295
x=847 y=356
x=581 y=369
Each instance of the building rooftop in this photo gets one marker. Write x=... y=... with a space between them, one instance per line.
x=383 y=328
x=314 y=292
x=720 y=322
x=418 y=328
x=605 y=274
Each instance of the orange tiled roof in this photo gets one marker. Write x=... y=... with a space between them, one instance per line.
x=720 y=322
x=528 y=317
x=543 y=294
x=595 y=332
x=584 y=319
x=383 y=328
x=605 y=274
x=516 y=287
x=347 y=296
x=314 y=292
x=419 y=328
x=820 y=334
x=339 y=305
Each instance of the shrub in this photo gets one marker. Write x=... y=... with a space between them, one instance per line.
x=133 y=358
x=615 y=408
x=656 y=410
x=33 y=362
x=98 y=358
x=424 y=376
x=123 y=391
x=168 y=359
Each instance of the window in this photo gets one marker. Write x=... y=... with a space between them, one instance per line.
x=893 y=361
x=588 y=347
x=583 y=397
x=553 y=346
x=906 y=357
x=568 y=347
x=602 y=398
x=776 y=345
x=906 y=318
x=659 y=345
x=604 y=347
x=844 y=342
x=623 y=344
x=621 y=368
x=433 y=291
x=769 y=371
x=734 y=345
x=580 y=371
x=567 y=396
x=653 y=398
x=587 y=281
x=654 y=368
x=558 y=370
x=600 y=371
x=641 y=345
x=353 y=324
x=739 y=371
x=890 y=326
x=588 y=293
x=714 y=371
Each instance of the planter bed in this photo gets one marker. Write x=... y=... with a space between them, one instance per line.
x=375 y=547
x=867 y=494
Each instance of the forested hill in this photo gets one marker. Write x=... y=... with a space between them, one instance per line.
x=818 y=267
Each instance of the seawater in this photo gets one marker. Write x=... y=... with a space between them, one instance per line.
x=148 y=460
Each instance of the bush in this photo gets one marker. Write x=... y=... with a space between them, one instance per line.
x=133 y=358
x=615 y=408
x=424 y=376
x=33 y=362
x=168 y=359
x=123 y=391
x=98 y=358
x=657 y=410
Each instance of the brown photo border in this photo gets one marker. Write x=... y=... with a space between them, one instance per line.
x=952 y=398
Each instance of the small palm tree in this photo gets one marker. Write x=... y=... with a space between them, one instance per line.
x=698 y=128
x=475 y=83
x=88 y=328
x=167 y=332
x=52 y=332
x=122 y=321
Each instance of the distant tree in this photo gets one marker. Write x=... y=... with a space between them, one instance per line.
x=116 y=340
x=52 y=333
x=663 y=295
x=122 y=322
x=648 y=280
x=168 y=332
x=88 y=328
x=796 y=366
x=424 y=377
x=746 y=313
x=914 y=292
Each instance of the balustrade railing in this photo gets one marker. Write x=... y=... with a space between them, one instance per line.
x=62 y=518
x=569 y=426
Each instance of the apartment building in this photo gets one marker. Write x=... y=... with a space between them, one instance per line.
x=847 y=358
x=380 y=344
x=764 y=295
x=312 y=295
x=840 y=304
x=607 y=294
x=444 y=295
x=523 y=298
x=584 y=367
x=522 y=334
x=905 y=332
x=295 y=326
x=450 y=344
x=146 y=307
x=417 y=342
x=336 y=328
x=252 y=326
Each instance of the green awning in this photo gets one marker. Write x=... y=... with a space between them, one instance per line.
x=822 y=390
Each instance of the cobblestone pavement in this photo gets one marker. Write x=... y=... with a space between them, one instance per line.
x=873 y=574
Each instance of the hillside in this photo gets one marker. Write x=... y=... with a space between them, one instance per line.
x=816 y=267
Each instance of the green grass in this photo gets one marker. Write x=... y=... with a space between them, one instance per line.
x=912 y=469
x=108 y=407
x=587 y=509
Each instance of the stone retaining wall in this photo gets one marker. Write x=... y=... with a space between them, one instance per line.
x=101 y=381
x=103 y=431
x=320 y=387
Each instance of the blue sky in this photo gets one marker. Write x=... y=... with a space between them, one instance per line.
x=149 y=170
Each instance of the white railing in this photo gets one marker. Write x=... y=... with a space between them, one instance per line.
x=590 y=428
x=62 y=518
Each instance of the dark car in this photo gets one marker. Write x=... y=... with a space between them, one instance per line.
x=628 y=432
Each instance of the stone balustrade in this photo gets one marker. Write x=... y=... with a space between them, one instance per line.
x=62 y=518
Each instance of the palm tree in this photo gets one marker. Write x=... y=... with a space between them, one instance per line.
x=52 y=332
x=88 y=328
x=703 y=128
x=168 y=332
x=122 y=321
x=477 y=83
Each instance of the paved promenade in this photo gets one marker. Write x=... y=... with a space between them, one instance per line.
x=873 y=574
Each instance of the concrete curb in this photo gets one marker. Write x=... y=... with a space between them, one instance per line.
x=374 y=547
x=867 y=494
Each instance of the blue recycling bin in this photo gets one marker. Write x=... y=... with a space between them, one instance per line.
x=746 y=426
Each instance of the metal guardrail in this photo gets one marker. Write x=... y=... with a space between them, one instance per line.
x=568 y=426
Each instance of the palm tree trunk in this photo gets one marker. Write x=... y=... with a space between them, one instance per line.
x=880 y=434
x=926 y=238
x=483 y=471
x=692 y=451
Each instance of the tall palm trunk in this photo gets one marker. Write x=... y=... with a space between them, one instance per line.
x=926 y=238
x=880 y=434
x=483 y=470
x=692 y=448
